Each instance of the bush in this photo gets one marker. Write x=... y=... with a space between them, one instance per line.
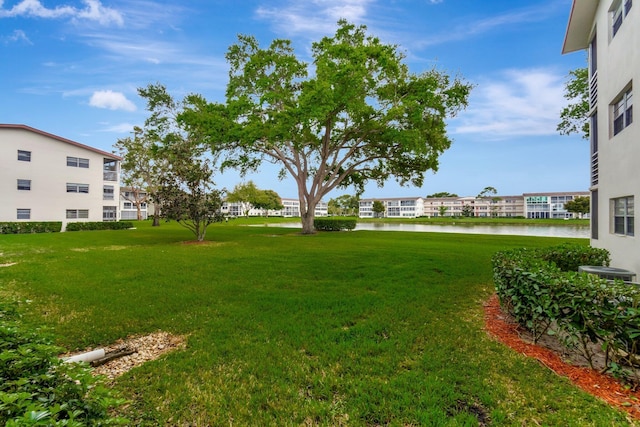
x=334 y=224
x=100 y=225
x=538 y=289
x=30 y=227
x=38 y=389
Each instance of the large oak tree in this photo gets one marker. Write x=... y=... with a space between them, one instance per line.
x=354 y=115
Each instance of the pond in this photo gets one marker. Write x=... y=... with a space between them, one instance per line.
x=517 y=230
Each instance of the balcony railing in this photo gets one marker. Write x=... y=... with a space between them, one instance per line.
x=594 y=169
x=593 y=90
x=110 y=175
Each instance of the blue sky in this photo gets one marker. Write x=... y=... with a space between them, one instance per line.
x=72 y=68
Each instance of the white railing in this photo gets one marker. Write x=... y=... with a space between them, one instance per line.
x=593 y=90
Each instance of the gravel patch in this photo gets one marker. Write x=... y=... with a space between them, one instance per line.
x=143 y=349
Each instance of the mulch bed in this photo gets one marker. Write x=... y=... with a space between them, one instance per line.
x=499 y=325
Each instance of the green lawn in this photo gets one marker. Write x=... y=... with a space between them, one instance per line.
x=352 y=328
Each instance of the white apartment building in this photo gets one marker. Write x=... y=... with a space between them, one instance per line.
x=550 y=205
x=528 y=205
x=128 y=208
x=610 y=32
x=44 y=177
x=291 y=208
x=398 y=207
x=502 y=206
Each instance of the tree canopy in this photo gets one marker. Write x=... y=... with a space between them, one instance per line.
x=249 y=195
x=183 y=186
x=344 y=205
x=442 y=194
x=575 y=116
x=355 y=115
x=139 y=169
x=580 y=205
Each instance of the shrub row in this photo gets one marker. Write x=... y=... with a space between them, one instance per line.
x=334 y=224
x=29 y=227
x=38 y=389
x=543 y=291
x=99 y=225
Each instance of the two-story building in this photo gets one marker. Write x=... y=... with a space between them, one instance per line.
x=610 y=32
x=44 y=177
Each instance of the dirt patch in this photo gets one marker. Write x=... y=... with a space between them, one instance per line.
x=503 y=327
x=143 y=349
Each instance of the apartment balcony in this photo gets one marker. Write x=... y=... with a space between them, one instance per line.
x=593 y=90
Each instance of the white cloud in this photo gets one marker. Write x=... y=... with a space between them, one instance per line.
x=93 y=11
x=315 y=16
x=120 y=128
x=465 y=30
x=515 y=103
x=111 y=100
x=15 y=37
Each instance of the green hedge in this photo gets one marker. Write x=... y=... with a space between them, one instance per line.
x=543 y=291
x=30 y=227
x=334 y=224
x=38 y=389
x=108 y=225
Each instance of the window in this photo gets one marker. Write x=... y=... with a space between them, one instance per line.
x=623 y=216
x=128 y=205
x=77 y=213
x=619 y=12
x=109 y=213
x=622 y=112
x=24 y=156
x=77 y=188
x=107 y=192
x=110 y=170
x=24 y=184
x=23 y=214
x=77 y=162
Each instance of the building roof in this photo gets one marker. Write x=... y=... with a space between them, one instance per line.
x=580 y=24
x=59 y=138
x=559 y=193
x=390 y=198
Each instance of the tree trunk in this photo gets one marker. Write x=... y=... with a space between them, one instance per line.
x=307 y=214
x=156 y=220
x=307 y=223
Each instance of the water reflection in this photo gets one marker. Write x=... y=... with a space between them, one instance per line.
x=516 y=230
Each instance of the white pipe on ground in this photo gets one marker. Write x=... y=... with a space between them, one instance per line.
x=89 y=356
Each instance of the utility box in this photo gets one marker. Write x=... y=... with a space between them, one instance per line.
x=609 y=273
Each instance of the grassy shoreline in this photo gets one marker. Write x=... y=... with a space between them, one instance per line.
x=424 y=220
x=367 y=328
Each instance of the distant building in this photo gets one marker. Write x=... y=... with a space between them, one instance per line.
x=550 y=205
x=499 y=206
x=291 y=208
x=128 y=208
x=44 y=177
x=397 y=207
x=610 y=33
x=528 y=205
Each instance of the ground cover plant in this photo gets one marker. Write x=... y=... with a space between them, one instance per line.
x=38 y=389
x=360 y=328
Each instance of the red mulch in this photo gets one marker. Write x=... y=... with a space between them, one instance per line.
x=591 y=381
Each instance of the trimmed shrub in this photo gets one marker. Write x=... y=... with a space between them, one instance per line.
x=30 y=227
x=583 y=310
x=334 y=224
x=38 y=389
x=106 y=225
